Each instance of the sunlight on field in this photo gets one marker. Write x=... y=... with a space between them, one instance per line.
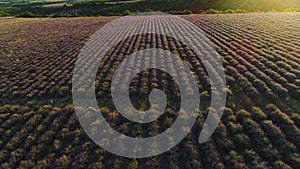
x=260 y=127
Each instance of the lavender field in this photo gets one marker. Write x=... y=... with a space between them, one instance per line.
x=260 y=127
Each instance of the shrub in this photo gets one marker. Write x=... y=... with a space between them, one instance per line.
x=296 y=118
x=3 y=13
x=212 y=11
x=242 y=141
x=229 y=11
x=97 y=165
x=280 y=164
x=234 y=128
x=292 y=10
x=250 y=155
x=241 y=11
x=27 y=14
x=63 y=91
x=184 y=12
x=133 y=164
x=150 y=10
x=243 y=115
x=27 y=164
x=126 y=12
x=258 y=114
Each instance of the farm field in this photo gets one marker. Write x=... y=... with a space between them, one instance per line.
x=260 y=127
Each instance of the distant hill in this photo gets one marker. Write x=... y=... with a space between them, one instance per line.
x=40 y=8
x=195 y=5
x=250 y=5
